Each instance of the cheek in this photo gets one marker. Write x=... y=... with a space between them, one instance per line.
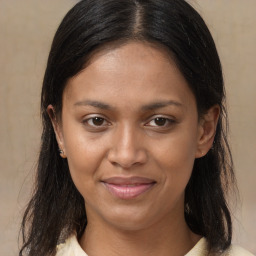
x=176 y=159
x=178 y=149
x=84 y=155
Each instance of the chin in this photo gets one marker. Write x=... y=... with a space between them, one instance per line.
x=130 y=219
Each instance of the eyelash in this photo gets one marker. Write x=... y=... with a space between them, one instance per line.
x=167 y=122
x=94 y=118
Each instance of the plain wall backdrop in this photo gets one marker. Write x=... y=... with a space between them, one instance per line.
x=26 y=31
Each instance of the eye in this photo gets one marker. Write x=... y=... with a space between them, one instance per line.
x=160 y=122
x=96 y=121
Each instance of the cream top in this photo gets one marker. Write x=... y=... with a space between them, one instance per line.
x=72 y=248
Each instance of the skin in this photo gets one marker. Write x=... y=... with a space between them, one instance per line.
x=121 y=86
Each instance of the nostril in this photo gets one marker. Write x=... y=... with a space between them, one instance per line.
x=127 y=160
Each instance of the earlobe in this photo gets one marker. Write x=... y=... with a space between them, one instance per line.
x=57 y=129
x=207 y=130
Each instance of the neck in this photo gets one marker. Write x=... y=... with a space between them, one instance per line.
x=164 y=238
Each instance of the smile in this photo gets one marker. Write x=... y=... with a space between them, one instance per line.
x=128 y=188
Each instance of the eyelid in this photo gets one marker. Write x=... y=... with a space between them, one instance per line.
x=170 y=120
x=90 y=117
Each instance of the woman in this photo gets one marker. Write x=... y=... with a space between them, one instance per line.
x=134 y=158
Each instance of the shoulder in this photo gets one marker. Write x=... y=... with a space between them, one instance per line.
x=70 y=247
x=201 y=249
x=235 y=250
x=65 y=248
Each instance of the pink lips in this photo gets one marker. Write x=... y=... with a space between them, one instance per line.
x=128 y=188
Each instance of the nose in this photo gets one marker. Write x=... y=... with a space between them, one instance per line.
x=127 y=148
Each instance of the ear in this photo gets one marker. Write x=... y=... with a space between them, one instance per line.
x=57 y=129
x=207 y=130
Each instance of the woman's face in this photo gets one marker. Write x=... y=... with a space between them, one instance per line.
x=131 y=133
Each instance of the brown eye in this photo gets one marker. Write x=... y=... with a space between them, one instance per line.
x=97 y=121
x=160 y=121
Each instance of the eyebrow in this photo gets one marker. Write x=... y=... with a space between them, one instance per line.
x=151 y=106
x=161 y=104
x=93 y=103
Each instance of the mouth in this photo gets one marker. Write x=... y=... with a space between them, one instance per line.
x=128 y=188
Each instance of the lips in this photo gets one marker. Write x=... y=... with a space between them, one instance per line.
x=128 y=188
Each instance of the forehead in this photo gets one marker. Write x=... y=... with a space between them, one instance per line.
x=132 y=72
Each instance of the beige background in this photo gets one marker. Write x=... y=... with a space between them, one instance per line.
x=26 y=31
